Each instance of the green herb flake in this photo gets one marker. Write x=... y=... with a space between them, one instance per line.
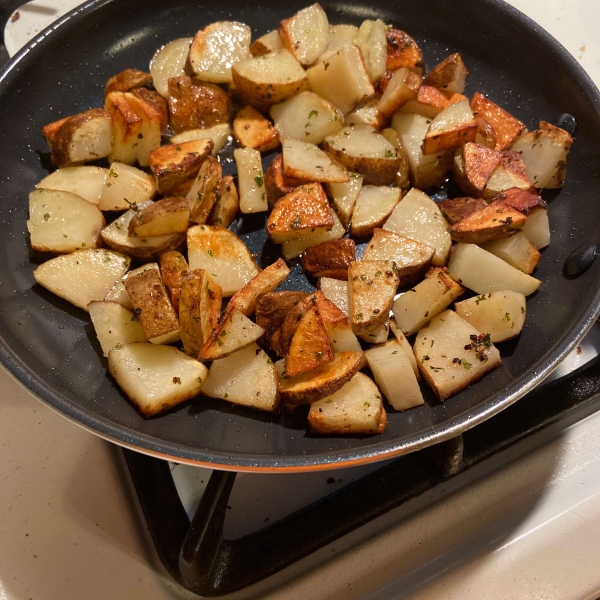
x=358 y=317
x=465 y=364
x=367 y=404
x=259 y=180
x=436 y=369
x=507 y=317
x=326 y=65
x=313 y=113
x=177 y=380
x=46 y=216
x=522 y=310
x=226 y=395
x=210 y=252
x=389 y=154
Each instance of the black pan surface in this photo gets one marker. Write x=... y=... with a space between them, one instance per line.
x=50 y=345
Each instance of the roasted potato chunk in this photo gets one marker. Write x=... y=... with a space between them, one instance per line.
x=126 y=187
x=282 y=338
x=329 y=259
x=306 y=161
x=205 y=190
x=449 y=75
x=127 y=80
x=169 y=61
x=172 y=267
x=506 y=127
x=473 y=166
x=517 y=251
x=344 y=196
x=157 y=102
x=227 y=206
x=196 y=106
x=270 y=42
x=165 y=217
x=453 y=127
x=456 y=209
x=306 y=34
x=295 y=248
x=523 y=201
x=430 y=102
x=490 y=223
x=403 y=51
x=373 y=207
x=114 y=325
x=272 y=309
x=509 y=173
x=253 y=130
x=251 y=180
x=276 y=183
x=402 y=87
x=486 y=135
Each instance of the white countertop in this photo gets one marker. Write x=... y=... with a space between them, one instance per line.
x=69 y=526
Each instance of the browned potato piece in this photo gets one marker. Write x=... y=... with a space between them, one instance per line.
x=430 y=102
x=253 y=130
x=152 y=307
x=271 y=310
x=486 y=135
x=282 y=338
x=490 y=223
x=522 y=200
x=509 y=173
x=205 y=190
x=196 y=106
x=507 y=128
x=276 y=183
x=403 y=51
x=329 y=259
x=127 y=80
x=473 y=167
x=79 y=138
x=172 y=267
x=323 y=381
x=165 y=217
x=310 y=347
x=227 y=206
x=412 y=258
x=157 y=102
x=453 y=127
x=267 y=280
x=303 y=210
x=372 y=285
x=449 y=75
x=306 y=34
x=270 y=42
x=456 y=209
x=200 y=309
x=402 y=87
x=176 y=164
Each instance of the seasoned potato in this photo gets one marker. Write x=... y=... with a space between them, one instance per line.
x=269 y=79
x=484 y=273
x=306 y=117
x=196 y=105
x=276 y=183
x=114 y=325
x=456 y=209
x=304 y=210
x=373 y=207
x=125 y=187
x=272 y=309
x=403 y=51
x=372 y=41
x=216 y=48
x=172 y=267
x=493 y=222
x=342 y=79
x=329 y=259
x=344 y=195
x=372 y=285
x=412 y=258
x=499 y=314
x=402 y=177
x=118 y=293
x=339 y=35
x=402 y=87
x=169 y=61
x=156 y=378
x=430 y=297
x=486 y=135
x=223 y=255
x=506 y=127
x=255 y=131
x=246 y=377
x=62 y=222
x=270 y=42
x=79 y=138
x=517 y=251
x=152 y=306
x=430 y=102
x=522 y=200
x=339 y=330
x=537 y=228
x=377 y=336
x=308 y=162
x=362 y=150
x=176 y=165
x=165 y=217
x=473 y=166
x=84 y=181
x=219 y=134
x=356 y=408
x=320 y=382
x=418 y=217
x=306 y=34
x=336 y=291
x=205 y=190
x=367 y=114
x=82 y=276
x=251 y=180
x=116 y=237
x=509 y=173
x=127 y=80
x=453 y=127
x=449 y=75
x=226 y=208
x=282 y=338
x=452 y=354
x=406 y=347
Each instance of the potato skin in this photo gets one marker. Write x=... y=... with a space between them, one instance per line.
x=330 y=259
x=127 y=80
x=520 y=200
x=157 y=102
x=403 y=51
x=196 y=106
x=175 y=209
x=172 y=267
x=276 y=183
x=456 y=209
x=272 y=309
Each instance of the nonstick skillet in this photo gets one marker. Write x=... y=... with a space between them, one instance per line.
x=50 y=346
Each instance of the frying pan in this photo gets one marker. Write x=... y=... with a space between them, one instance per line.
x=50 y=346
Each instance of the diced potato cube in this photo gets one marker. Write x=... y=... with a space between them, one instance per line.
x=373 y=207
x=517 y=251
x=125 y=187
x=251 y=180
x=114 y=325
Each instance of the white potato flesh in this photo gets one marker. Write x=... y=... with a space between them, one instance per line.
x=342 y=79
x=418 y=217
x=216 y=48
x=219 y=134
x=355 y=408
x=246 y=377
x=485 y=273
x=306 y=34
x=270 y=42
x=501 y=314
x=456 y=114
x=377 y=336
x=114 y=325
x=306 y=117
x=363 y=141
x=118 y=293
x=310 y=163
x=125 y=185
x=156 y=378
x=537 y=228
x=342 y=337
x=504 y=178
x=339 y=35
x=295 y=248
x=367 y=114
x=82 y=276
x=406 y=347
x=336 y=291
x=371 y=40
x=84 y=181
x=169 y=61
x=445 y=362
x=516 y=250
x=373 y=206
x=402 y=88
x=62 y=222
x=394 y=375
x=426 y=170
x=251 y=180
x=91 y=141
x=344 y=195
x=223 y=255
